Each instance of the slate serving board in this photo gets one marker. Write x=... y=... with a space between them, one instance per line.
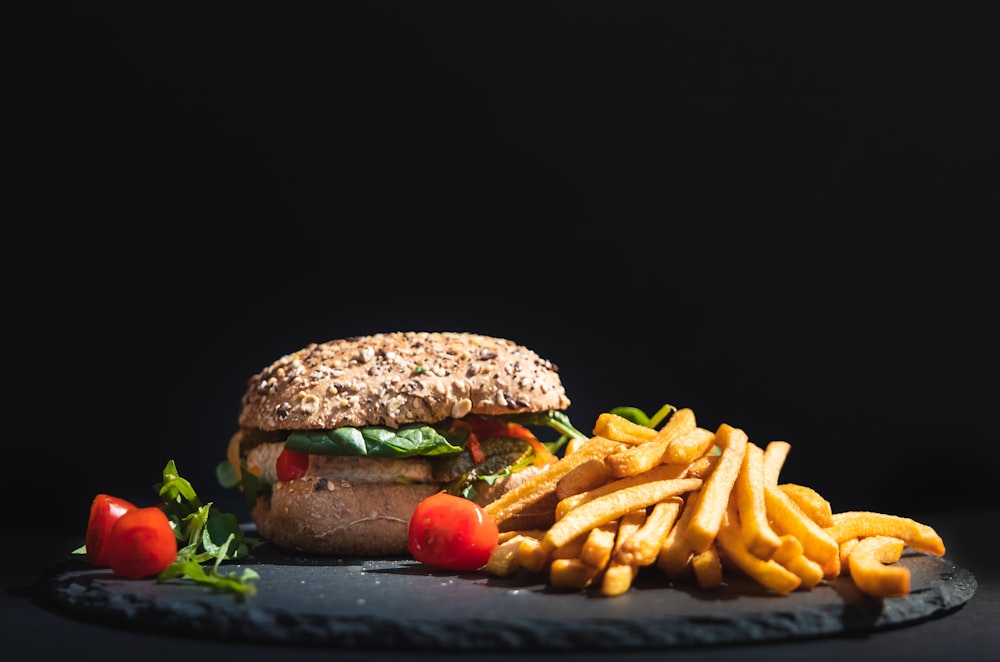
x=398 y=603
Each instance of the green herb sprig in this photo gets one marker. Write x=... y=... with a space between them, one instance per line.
x=206 y=535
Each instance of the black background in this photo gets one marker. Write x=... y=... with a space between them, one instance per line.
x=778 y=215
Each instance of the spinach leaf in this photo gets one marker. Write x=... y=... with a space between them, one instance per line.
x=373 y=441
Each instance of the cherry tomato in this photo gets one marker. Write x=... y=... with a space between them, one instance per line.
x=141 y=543
x=291 y=464
x=104 y=512
x=451 y=532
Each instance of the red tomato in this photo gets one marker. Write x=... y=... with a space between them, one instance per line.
x=141 y=543
x=451 y=532
x=291 y=464
x=104 y=512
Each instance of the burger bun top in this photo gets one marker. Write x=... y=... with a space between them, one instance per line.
x=392 y=379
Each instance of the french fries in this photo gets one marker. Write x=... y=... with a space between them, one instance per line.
x=619 y=428
x=587 y=476
x=544 y=482
x=811 y=502
x=618 y=576
x=711 y=508
x=611 y=506
x=869 y=571
x=707 y=567
x=600 y=542
x=686 y=501
x=775 y=454
x=661 y=472
x=861 y=524
x=768 y=573
x=788 y=518
x=689 y=447
x=792 y=555
x=642 y=546
x=643 y=457
x=674 y=557
x=758 y=535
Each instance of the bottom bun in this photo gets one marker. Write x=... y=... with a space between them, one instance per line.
x=335 y=517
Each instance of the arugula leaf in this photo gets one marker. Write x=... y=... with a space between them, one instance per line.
x=206 y=534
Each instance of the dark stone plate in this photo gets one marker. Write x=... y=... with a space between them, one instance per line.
x=401 y=604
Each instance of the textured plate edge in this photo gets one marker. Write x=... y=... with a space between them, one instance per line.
x=941 y=598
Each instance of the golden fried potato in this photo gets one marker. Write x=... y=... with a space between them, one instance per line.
x=707 y=567
x=769 y=574
x=621 y=429
x=791 y=555
x=612 y=506
x=600 y=542
x=712 y=502
x=811 y=502
x=643 y=546
x=758 y=535
x=633 y=460
x=787 y=518
x=861 y=524
x=689 y=447
x=572 y=574
x=618 y=577
x=869 y=571
x=774 y=458
x=587 y=476
x=544 y=482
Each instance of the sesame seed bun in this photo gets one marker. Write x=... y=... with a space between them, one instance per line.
x=396 y=378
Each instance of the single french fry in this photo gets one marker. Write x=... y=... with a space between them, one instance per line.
x=701 y=467
x=611 y=506
x=711 y=507
x=707 y=567
x=643 y=546
x=537 y=515
x=621 y=429
x=774 y=458
x=570 y=574
x=810 y=501
x=869 y=571
x=689 y=447
x=544 y=482
x=571 y=550
x=674 y=557
x=769 y=574
x=846 y=548
x=861 y=524
x=504 y=536
x=787 y=518
x=532 y=554
x=791 y=555
x=573 y=445
x=592 y=473
x=618 y=577
x=642 y=457
x=503 y=561
x=599 y=544
x=758 y=535
x=660 y=472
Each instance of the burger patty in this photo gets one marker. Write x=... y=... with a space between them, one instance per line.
x=262 y=460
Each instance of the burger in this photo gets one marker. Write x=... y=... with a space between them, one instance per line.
x=339 y=441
